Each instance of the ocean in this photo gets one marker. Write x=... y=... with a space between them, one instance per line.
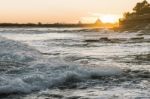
x=74 y=63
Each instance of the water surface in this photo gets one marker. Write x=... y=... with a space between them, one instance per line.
x=74 y=63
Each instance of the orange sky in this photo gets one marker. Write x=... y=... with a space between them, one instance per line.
x=63 y=11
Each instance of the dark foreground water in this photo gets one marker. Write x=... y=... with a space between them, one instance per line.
x=74 y=63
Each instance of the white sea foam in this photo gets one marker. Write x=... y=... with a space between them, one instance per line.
x=15 y=51
x=23 y=69
x=41 y=76
x=34 y=81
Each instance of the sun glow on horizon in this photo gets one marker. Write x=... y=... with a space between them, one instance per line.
x=105 y=18
x=63 y=11
x=109 y=18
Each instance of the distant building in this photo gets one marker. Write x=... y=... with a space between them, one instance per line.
x=79 y=22
x=98 y=22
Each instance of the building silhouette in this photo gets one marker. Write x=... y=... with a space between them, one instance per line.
x=98 y=22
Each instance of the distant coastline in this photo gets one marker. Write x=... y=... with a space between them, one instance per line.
x=60 y=25
x=97 y=24
x=43 y=25
x=137 y=20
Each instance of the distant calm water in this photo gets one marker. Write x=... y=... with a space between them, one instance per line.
x=74 y=63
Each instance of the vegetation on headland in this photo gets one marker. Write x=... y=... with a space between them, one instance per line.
x=138 y=19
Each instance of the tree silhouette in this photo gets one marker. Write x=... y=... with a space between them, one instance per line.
x=139 y=17
x=142 y=8
x=126 y=15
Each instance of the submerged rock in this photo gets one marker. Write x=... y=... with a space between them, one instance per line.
x=104 y=39
x=92 y=40
x=137 y=38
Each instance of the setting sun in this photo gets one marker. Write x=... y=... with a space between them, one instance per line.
x=62 y=11
x=109 y=18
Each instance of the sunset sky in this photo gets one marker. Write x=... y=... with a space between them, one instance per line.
x=63 y=11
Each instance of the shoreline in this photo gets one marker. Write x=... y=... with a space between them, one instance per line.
x=145 y=29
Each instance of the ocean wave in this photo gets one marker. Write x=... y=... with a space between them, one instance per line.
x=24 y=70
x=54 y=77
x=17 y=77
x=44 y=77
x=14 y=51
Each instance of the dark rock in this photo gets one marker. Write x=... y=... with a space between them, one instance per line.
x=91 y=40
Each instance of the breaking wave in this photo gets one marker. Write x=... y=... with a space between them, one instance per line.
x=56 y=77
x=21 y=71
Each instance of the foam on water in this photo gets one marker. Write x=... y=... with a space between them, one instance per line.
x=36 y=80
x=56 y=77
x=40 y=76
x=36 y=61
x=15 y=51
